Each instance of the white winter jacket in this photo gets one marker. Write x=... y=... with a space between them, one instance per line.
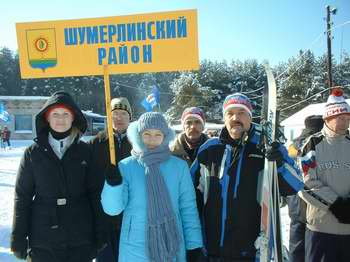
x=325 y=162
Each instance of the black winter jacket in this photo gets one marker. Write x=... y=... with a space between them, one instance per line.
x=100 y=149
x=57 y=201
x=228 y=195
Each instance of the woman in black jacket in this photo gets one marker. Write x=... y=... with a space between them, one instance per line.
x=57 y=214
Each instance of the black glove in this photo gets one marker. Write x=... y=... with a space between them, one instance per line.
x=193 y=254
x=113 y=176
x=274 y=154
x=20 y=248
x=341 y=209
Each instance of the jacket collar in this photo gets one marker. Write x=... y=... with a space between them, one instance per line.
x=327 y=132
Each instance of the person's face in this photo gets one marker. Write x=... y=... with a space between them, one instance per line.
x=121 y=120
x=152 y=138
x=237 y=121
x=60 y=119
x=193 y=128
x=339 y=124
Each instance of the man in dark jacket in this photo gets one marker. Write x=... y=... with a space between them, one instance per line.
x=186 y=146
x=226 y=174
x=296 y=205
x=57 y=213
x=121 y=116
x=187 y=143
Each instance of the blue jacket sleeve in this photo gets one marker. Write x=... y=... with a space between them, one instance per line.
x=114 y=198
x=188 y=211
x=291 y=181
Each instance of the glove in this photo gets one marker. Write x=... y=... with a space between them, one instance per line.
x=193 y=254
x=341 y=209
x=113 y=176
x=274 y=154
x=19 y=248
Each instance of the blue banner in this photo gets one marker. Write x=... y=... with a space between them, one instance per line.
x=4 y=115
x=151 y=100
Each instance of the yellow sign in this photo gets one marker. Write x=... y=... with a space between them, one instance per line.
x=156 y=42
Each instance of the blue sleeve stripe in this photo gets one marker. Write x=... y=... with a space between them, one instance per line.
x=291 y=177
x=224 y=188
x=194 y=168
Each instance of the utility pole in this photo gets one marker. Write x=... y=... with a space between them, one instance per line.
x=329 y=43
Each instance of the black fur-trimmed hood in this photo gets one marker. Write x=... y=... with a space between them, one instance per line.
x=60 y=97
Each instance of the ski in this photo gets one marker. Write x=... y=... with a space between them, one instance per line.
x=269 y=242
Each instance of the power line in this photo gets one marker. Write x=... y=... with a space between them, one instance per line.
x=300 y=102
x=308 y=49
x=326 y=89
x=302 y=55
x=249 y=92
x=168 y=93
x=256 y=97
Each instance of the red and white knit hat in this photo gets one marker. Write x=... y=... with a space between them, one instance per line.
x=195 y=112
x=336 y=104
x=237 y=100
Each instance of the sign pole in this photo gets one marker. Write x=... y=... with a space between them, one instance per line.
x=109 y=114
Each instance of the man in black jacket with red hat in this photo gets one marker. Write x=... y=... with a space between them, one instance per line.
x=226 y=175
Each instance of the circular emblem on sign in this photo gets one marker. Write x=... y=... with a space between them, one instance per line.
x=41 y=44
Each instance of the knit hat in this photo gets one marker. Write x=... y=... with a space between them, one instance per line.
x=314 y=123
x=152 y=120
x=195 y=112
x=237 y=100
x=336 y=104
x=121 y=103
x=51 y=108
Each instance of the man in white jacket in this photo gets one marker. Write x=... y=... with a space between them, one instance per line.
x=325 y=163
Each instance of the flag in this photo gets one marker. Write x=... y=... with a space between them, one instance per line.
x=4 y=115
x=151 y=100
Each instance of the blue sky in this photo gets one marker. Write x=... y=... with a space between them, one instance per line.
x=228 y=29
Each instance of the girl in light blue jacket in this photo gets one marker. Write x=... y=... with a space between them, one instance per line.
x=160 y=219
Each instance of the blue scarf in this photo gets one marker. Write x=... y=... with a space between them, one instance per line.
x=163 y=237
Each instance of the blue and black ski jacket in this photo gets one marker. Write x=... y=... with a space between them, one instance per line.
x=226 y=176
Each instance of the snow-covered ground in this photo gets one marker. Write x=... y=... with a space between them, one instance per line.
x=9 y=161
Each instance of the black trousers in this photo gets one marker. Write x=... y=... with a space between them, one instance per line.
x=322 y=247
x=71 y=254
x=111 y=252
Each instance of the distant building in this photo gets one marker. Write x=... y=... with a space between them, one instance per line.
x=294 y=124
x=23 y=109
x=95 y=121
